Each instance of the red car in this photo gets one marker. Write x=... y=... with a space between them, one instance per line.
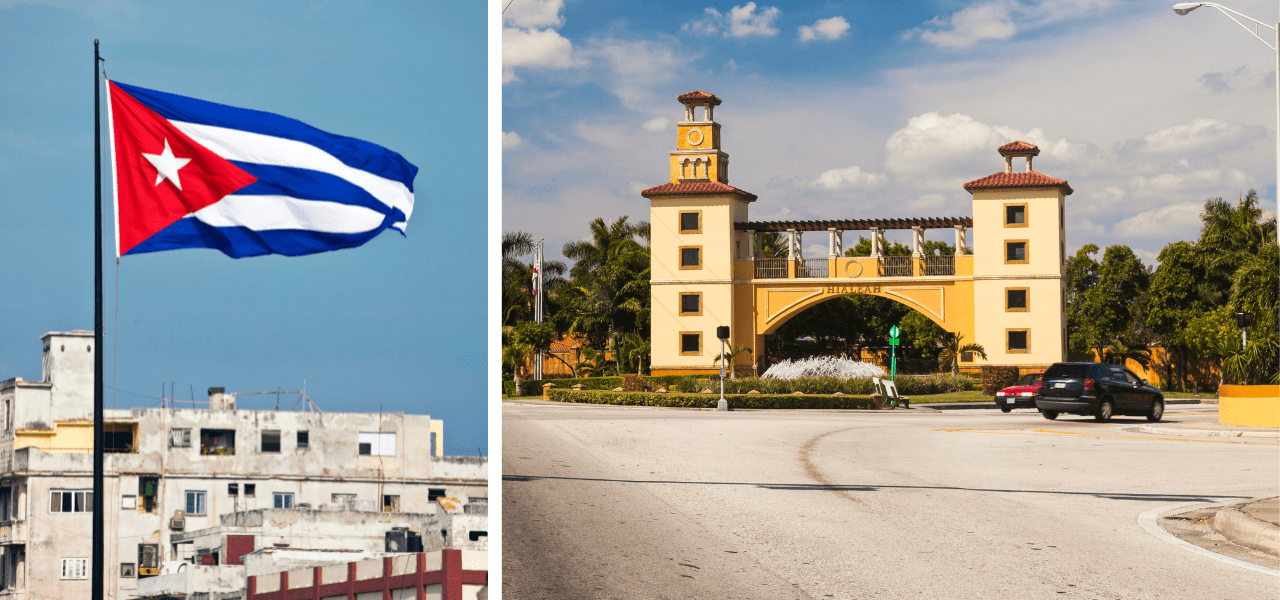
x=1022 y=395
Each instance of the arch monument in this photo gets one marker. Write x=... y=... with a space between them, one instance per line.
x=707 y=270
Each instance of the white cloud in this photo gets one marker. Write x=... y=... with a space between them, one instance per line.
x=969 y=26
x=848 y=177
x=1000 y=20
x=1211 y=180
x=932 y=141
x=1198 y=136
x=657 y=124
x=1173 y=221
x=511 y=139
x=635 y=69
x=741 y=21
x=731 y=66
x=927 y=201
x=537 y=48
x=531 y=14
x=824 y=29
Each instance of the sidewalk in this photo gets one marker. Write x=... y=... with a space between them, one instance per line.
x=1209 y=429
x=1255 y=524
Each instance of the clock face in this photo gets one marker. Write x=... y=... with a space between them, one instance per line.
x=694 y=137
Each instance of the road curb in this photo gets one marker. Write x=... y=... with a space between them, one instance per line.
x=1248 y=531
x=1207 y=432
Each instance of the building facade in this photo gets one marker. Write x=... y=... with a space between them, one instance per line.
x=170 y=471
x=708 y=268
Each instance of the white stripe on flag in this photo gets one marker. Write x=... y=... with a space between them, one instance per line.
x=264 y=213
x=245 y=146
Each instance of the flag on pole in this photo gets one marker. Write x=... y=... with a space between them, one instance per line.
x=189 y=173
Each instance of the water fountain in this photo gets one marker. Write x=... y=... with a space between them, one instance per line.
x=841 y=367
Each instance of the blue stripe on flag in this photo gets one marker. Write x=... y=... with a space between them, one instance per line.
x=242 y=242
x=306 y=184
x=352 y=152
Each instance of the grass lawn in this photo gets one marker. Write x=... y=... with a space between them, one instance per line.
x=973 y=396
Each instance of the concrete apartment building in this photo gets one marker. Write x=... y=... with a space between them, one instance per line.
x=174 y=471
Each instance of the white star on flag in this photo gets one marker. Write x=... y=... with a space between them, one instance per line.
x=167 y=165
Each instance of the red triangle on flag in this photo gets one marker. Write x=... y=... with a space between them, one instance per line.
x=161 y=175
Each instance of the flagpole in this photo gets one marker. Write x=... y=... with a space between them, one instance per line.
x=99 y=535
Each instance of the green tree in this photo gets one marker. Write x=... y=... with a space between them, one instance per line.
x=863 y=248
x=1174 y=298
x=1101 y=296
x=921 y=336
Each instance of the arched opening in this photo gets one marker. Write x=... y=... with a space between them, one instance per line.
x=856 y=326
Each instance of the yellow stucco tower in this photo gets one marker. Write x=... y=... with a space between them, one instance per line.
x=1019 y=256
x=693 y=240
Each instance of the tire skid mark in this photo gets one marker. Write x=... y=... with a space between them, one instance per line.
x=811 y=470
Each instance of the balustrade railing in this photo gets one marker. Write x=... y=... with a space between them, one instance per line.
x=939 y=265
x=771 y=268
x=812 y=267
x=898 y=266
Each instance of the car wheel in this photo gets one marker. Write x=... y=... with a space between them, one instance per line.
x=1049 y=414
x=1005 y=409
x=1157 y=410
x=1104 y=411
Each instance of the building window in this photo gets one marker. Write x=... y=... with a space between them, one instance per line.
x=391 y=504
x=195 y=503
x=691 y=222
x=70 y=501
x=249 y=489
x=149 y=558
x=433 y=493
x=218 y=441
x=149 y=489
x=128 y=570
x=75 y=568
x=271 y=441
x=691 y=257
x=1015 y=215
x=233 y=489
x=282 y=500
x=476 y=535
x=304 y=440
x=377 y=444
x=180 y=437
x=1015 y=252
x=1019 y=341
x=690 y=343
x=691 y=304
x=1017 y=299
x=117 y=438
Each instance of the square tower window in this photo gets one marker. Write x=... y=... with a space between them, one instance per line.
x=1015 y=252
x=691 y=257
x=1019 y=341
x=691 y=222
x=1016 y=299
x=690 y=343
x=1015 y=215
x=691 y=304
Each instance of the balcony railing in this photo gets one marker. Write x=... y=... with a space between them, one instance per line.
x=771 y=268
x=812 y=267
x=939 y=265
x=897 y=266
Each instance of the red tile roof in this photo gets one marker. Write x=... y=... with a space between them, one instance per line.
x=701 y=188
x=1018 y=180
x=698 y=96
x=1019 y=149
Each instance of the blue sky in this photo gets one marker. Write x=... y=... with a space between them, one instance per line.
x=861 y=110
x=395 y=325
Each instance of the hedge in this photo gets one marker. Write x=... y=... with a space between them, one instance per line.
x=708 y=400
x=908 y=385
x=998 y=377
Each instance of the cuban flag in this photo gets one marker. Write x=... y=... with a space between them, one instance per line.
x=189 y=173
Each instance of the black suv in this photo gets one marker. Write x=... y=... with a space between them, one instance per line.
x=1097 y=389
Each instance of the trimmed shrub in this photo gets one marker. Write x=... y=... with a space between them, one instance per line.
x=908 y=385
x=680 y=400
x=634 y=383
x=997 y=377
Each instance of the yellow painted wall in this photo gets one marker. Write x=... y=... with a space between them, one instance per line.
x=667 y=324
x=989 y=232
x=716 y=238
x=66 y=436
x=1249 y=405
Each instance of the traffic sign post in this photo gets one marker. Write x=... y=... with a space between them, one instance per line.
x=722 y=332
x=893 y=348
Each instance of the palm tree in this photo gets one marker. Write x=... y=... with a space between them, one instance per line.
x=636 y=348
x=733 y=352
x=1120 y=353
x=591 y=255
x=952 y=346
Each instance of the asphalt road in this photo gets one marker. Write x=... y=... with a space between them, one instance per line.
x=634 y=502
